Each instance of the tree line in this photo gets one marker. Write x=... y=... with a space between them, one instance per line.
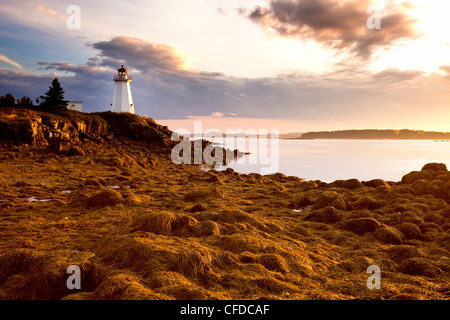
x=52 y=101
x=377 y=134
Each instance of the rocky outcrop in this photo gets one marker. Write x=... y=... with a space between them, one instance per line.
x=433 y=179
x=71 y=127
x=70 y=132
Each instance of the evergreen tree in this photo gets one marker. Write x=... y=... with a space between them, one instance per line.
x=54 y=98
x=7 y=101
x=24 y=102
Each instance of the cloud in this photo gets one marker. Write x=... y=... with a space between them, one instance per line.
x=50 y=12
x=10 y=62
x=446 y=68
x=163 y=89
x=91 y=69
x=395 y=76
x=163 y=75
x=217 y=114
x=337 y=24
x=144 y=55
x=222 y=11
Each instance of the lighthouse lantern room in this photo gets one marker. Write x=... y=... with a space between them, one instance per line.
x=123 y=102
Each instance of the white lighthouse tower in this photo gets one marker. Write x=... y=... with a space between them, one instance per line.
x=123 y=102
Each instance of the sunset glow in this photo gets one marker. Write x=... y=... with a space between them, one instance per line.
x=431 y=49
x=310 y=63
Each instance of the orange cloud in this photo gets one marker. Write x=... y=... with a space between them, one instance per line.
x=50 y=12
x=145 y=54
x=10 y=61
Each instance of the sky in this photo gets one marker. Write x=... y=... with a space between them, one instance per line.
x=288 y=65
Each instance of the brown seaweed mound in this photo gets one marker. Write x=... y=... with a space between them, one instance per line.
x=140 y=227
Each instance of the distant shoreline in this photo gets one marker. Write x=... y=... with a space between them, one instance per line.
x=370 y=134
x=436 y=140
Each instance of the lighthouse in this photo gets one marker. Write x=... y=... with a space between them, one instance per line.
x=123 y=102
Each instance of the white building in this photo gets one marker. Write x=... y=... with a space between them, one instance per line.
x=75 y=105
x=123 y=102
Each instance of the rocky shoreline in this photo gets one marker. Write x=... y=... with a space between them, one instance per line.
x=141 y=227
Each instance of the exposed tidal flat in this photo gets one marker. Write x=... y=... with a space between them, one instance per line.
x=141 y=227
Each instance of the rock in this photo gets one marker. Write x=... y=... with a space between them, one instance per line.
x=111 y=160
x=121 y=178
x=411 y=177
x=446 y=213
x=27 y=274
x=383 y=189
x=126 y=173
x=22 y=129
x=79 y=201
x=102 y=181
x=325 y=215
x=3 y=183
x=229 y=171
x=421 y=186
x=435 y=167
x=330 y=198
x=301 y=202
x=75 y=151
x=294 y=179
x=276 y=176
x=273 y=262
x=105 y=198
x=400 y=253
x=195 y=196
x=22 y=184
x=350 y=184
x=256 y=176
x=115 y=161
x=420 y=266
x=163 y=223
x=410 y=230
x=36 y=128
x=367 y=202
x=402 y=193
x=406 y=296
x=307 y=185
x=356 y=264
x=197 y=208
x=213 y=178
x=206 y=229
x=129 y=197
x=92 y=182
x=429 y=226
x=434 y=218
x=360 y=225
x=376 y=183
x=389 y=235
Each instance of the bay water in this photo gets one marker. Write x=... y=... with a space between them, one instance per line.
x=330 y=160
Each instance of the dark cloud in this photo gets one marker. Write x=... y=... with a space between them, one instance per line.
x=336 y=24
x=90 y=69
x=395 y=76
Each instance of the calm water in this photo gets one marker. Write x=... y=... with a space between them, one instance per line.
x=330 y=160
